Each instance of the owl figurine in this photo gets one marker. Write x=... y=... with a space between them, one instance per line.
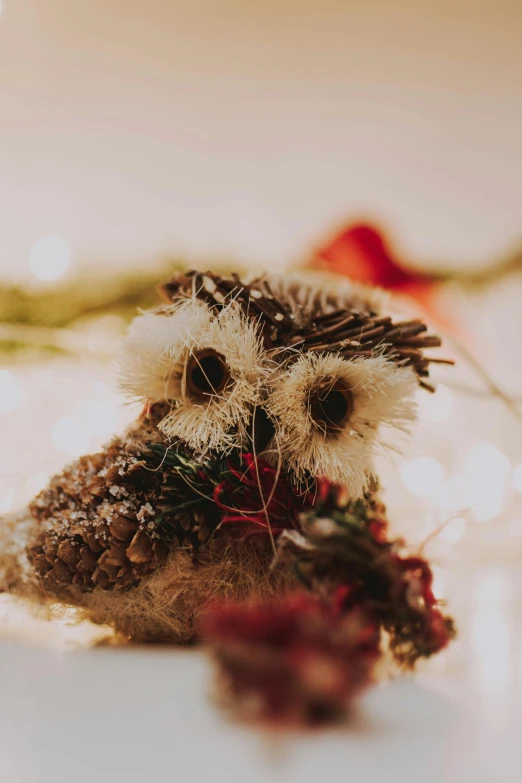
x=249 y=472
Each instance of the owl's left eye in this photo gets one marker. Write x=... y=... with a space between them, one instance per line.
x=207 y=374
x=328 y=411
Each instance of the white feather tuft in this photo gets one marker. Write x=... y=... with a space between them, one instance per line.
x=155 y=356
x=383 y=396
x=156 y=347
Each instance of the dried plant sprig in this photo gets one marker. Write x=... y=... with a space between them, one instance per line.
x=298 y=313
x=343 y=545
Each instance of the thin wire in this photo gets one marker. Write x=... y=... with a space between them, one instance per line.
x=266 y=503
x=494 y=388
x=438 y=530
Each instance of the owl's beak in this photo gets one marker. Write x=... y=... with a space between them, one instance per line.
x=261 y=430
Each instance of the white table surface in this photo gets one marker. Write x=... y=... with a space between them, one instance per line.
x=93 y=714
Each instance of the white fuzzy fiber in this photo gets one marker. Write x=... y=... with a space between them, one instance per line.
x=383 y=397
x=154 y=360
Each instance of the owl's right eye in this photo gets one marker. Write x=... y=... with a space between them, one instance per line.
x=330 y=405
x=208 y=366
x=207 y=374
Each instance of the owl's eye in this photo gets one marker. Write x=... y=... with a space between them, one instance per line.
x=328 y=411
x=331 y=405
x=207 y=366
x=207 y=374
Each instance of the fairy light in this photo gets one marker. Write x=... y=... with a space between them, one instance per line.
x=11 y=392
x=422 y=476
x=486 y=460
x=100 y=411
x=436 y=408
x=490 y=634
x=455 y=494
x=100 y=418
x=105 y=333
x=515 y=527
x=7 y=496
x=453 y=530
x=50 y=257
x=517 y=479
x=71 y=435
x=487 y=469
x=34 y=483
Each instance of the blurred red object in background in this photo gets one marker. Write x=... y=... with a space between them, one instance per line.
x=362 y=253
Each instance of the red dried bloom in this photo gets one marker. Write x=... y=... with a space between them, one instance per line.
x=420 y=628
x=362 y=253
x=254 y=499
x=343 y=550
x=298 y=659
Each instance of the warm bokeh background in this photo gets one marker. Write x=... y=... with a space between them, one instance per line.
x=136 y=130
x=132 y=133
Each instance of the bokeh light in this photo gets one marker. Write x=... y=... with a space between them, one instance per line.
x=517 y=478
x=11 y=393
x=422 y=476
x=50 y=257
x=455 y=494
x=436 y=407
x=453 y=530
x=515 y=527
x=35 y=482
x=7 y=493
x=71 y=435
x=488 y=470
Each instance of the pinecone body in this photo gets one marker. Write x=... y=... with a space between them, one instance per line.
x=111 y=518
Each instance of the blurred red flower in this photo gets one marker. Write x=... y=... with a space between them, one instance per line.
x=362 y=253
